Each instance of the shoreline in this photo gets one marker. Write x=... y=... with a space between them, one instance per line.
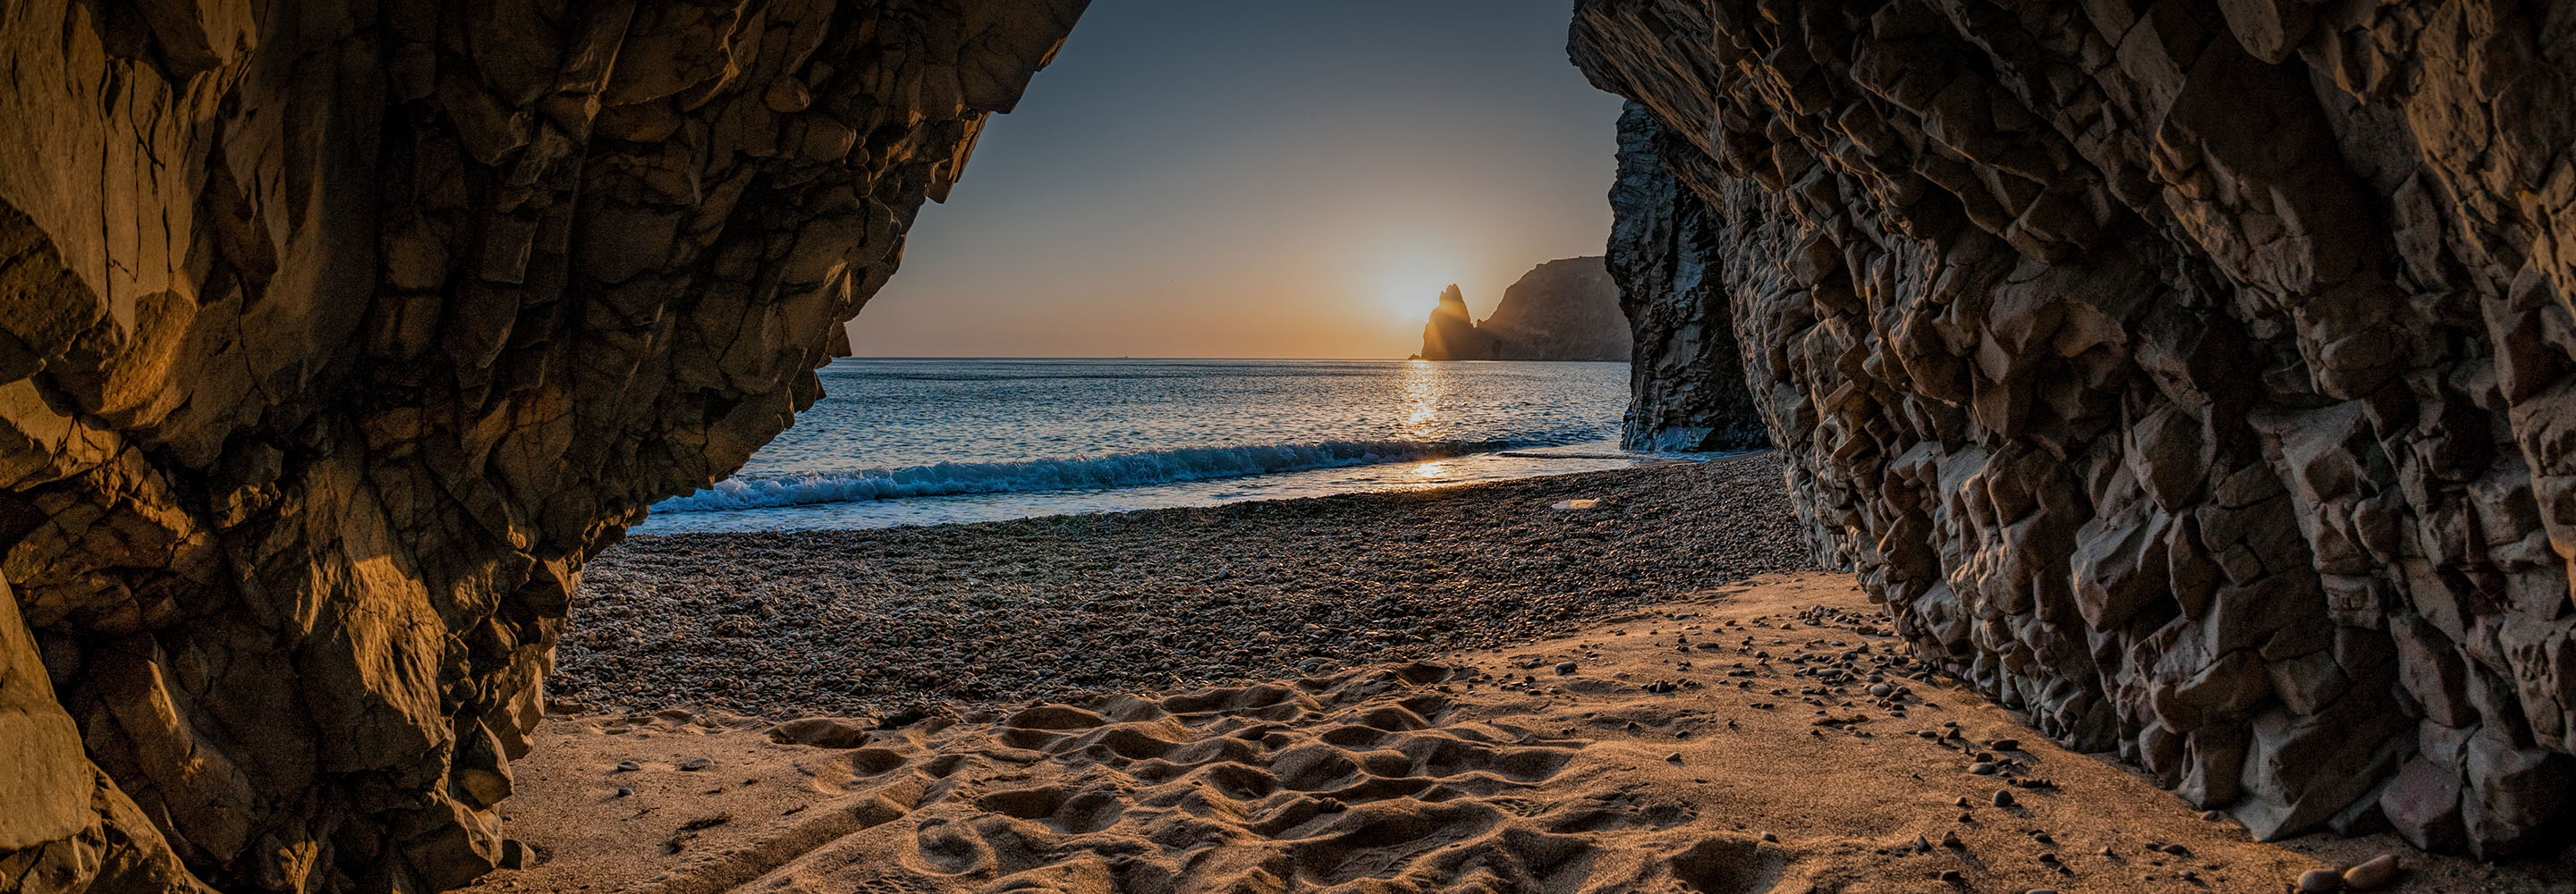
x=1657 y=693
x=869 y=622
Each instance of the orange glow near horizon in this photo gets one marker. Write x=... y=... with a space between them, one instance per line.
x=1410 y=274
x=1186 y=180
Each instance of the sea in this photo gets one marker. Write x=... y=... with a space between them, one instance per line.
x=937 y=441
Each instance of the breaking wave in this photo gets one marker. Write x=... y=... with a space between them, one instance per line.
x=1081 y=473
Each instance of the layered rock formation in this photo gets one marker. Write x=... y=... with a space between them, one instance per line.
x=1560 y=310
x=1686 y=372
x=2196 y=376
x=334 y=337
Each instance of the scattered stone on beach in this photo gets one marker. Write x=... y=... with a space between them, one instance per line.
x=627 y=767
x=2003 y=798
x=864 y=624
x=2372 y=874
x=2317 y=881
x=1565 y=669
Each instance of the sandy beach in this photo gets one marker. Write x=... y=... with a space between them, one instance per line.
x=898 y=620
x=1459 y=690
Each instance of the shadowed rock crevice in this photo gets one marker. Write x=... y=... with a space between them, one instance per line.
x=1687 y=389
x=334 y=337
x=2193 y=376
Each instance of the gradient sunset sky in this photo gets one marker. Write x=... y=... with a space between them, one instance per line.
x=1253 y=179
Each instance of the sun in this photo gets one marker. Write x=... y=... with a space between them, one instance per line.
x=1407 y=276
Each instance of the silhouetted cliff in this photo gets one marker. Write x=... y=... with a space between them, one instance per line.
x=1560 y=310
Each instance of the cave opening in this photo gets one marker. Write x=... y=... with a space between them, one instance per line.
x=2188 y=378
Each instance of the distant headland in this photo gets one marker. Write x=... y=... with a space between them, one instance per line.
x=1560 y=310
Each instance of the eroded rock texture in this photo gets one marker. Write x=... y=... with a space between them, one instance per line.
x=1686 y=371
x=2197 y=376
x=334 y=336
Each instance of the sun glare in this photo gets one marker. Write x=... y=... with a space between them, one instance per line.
x=1408 y=278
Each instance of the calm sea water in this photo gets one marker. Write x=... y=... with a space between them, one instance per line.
x=906 y=441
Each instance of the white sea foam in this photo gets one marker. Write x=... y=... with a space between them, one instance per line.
x=1082 y=473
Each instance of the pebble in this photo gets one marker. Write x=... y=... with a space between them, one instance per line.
x=1951 y=875
x=2372 y=874
x=1881 y=689
x=1981 y=768
x=1090 y=585
x=2316 y=881
x=696 y=763
x=1766 y=836
x=1674 y=758
x=623 y=791
x=2005 y=744
x=2003 y=798
x=1951 y=840
x=1565 y=669
x=628 y=767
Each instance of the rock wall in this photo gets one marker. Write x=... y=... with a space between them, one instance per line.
x=2196 y=376
x=1566 y=309
x=335 y=336
x=1685 y=370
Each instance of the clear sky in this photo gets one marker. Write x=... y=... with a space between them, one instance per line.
x=1248 y=178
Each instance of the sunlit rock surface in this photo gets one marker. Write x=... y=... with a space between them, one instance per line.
x=1560 y=310
x=2196 y=376
x=334 y=336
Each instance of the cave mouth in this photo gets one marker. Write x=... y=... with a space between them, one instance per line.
x=2189 y=376
x=1325 y=206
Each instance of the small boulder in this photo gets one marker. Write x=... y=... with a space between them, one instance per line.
x=2372 y=874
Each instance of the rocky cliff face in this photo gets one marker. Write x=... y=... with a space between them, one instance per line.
x=1451 y=334
x=2196 y=376
x=335 y=336
x=1560 y=310
x=1686 y=371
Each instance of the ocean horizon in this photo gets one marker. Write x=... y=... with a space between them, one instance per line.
x=939 y=440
